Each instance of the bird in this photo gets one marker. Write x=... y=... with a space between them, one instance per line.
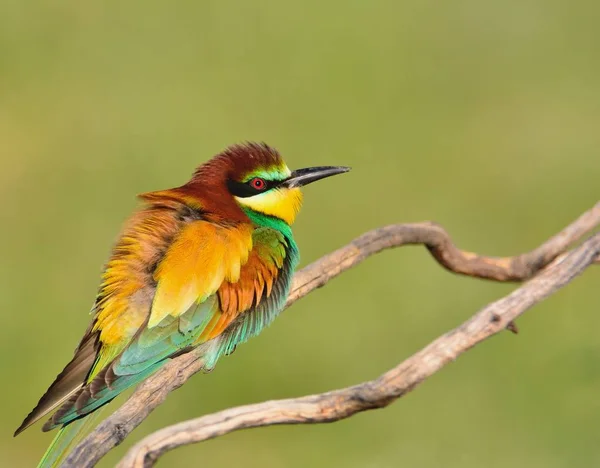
x=205 y=265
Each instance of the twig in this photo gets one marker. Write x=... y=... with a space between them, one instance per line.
x=487 y=322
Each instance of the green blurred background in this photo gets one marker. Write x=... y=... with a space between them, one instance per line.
x=483 y=116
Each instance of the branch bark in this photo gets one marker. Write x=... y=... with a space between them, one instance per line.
x=559 y=268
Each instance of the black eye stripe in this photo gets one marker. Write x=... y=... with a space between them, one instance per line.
x=245 y=189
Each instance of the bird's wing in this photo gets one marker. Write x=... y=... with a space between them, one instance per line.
x=251 y=303
x=121 y=306
x=199 y=260
x=190 y=306
x=245 y=287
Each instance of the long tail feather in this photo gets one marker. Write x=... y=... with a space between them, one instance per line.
x=65 y=440
x=60 y=445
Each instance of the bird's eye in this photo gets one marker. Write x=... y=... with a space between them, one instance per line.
x=258 y=184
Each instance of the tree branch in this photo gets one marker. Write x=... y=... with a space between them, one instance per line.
x=343 y=403
x=378 y=393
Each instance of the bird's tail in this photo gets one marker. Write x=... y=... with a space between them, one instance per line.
x=65 y=440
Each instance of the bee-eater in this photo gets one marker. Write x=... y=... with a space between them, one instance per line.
x=207 y=264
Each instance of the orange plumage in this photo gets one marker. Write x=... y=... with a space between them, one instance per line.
x=206 y=264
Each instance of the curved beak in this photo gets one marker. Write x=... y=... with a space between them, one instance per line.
x=308 y=175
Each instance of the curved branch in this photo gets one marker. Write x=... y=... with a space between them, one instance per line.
x=155 y=389
x=378 y=393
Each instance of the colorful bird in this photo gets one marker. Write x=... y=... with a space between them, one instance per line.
x=208 y=264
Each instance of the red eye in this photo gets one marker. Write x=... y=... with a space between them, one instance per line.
x=257 y=183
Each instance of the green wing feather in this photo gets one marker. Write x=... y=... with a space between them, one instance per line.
x=275 y=243
x=106 y=371
x=145 y=355
x=151 y=348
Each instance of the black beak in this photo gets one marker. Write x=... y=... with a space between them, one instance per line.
x=308 y=175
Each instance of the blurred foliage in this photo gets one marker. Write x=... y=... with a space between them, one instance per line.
x=482 y=116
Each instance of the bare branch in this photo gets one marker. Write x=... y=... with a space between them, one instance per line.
x=378 y=393
x=389 y=386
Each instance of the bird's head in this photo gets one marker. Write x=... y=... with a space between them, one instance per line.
x=258 y=179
